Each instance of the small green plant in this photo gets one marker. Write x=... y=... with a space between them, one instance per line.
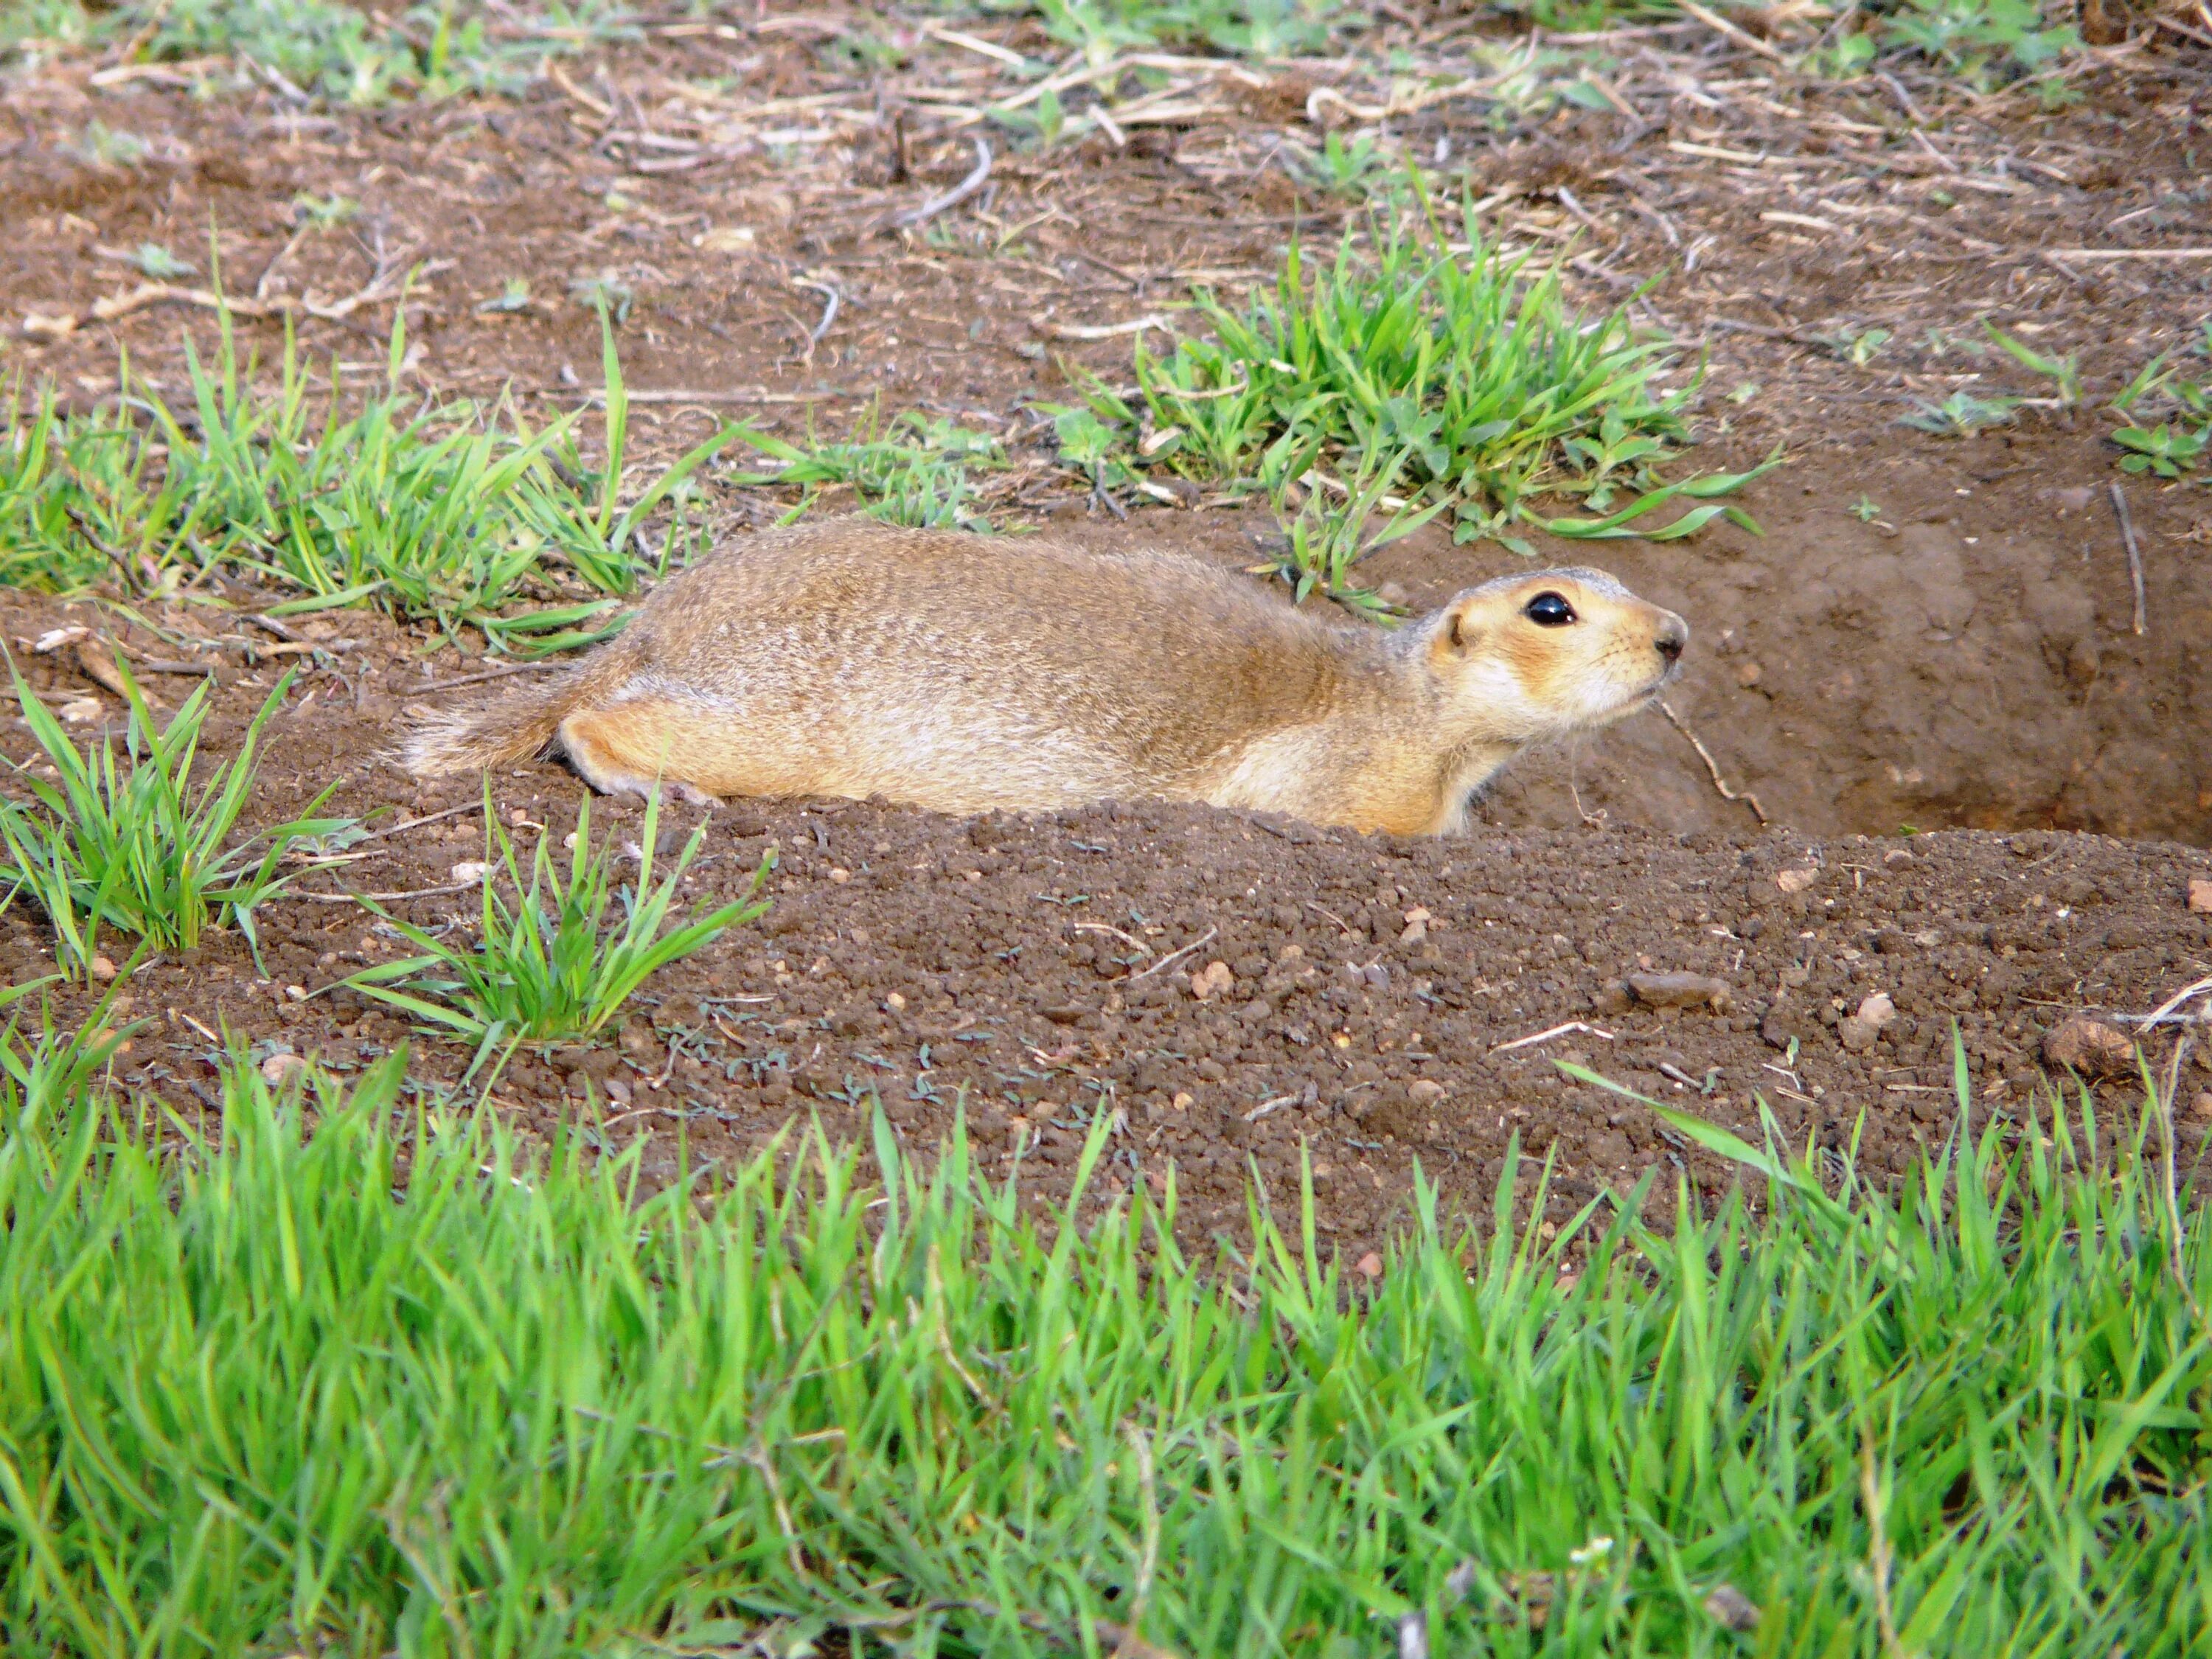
x=914 y=471
x=1043 y=121
x=514 y=295
x=110 y=147
x=323 y=214
x=1864 y=509
x=1859 y=347
x=2169 y=448
x=2165 y=450
x=157 y=262
x=2064 y=372
x=1345 y=169
x=606 y=294
x=1983 y=42
x=2150 y=379
x=129 y=843
x=1329 y=535
x=556 y=962
x=1962 y=415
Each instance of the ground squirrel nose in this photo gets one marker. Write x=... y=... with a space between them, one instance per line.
x=1674 y=634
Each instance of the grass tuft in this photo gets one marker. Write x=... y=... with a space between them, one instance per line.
x=557 y=962
x=913 y=471
x=254 y=1398
x=441 y=511
x=1492 y=389
x=327 y=50
x=126 y=842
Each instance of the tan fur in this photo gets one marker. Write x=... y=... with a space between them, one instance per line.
x=966 y=673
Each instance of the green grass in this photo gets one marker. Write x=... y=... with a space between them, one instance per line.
x=1981 y=43
x=914 y=471
x=338 y=52
x=127 y=842
x=557 y=962
x=254 y=1400
x=1489 y=390
x=1257 y=28
x=1328 y=536
x=446 y=512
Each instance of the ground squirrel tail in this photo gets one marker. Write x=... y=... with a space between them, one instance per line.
x=517 y=725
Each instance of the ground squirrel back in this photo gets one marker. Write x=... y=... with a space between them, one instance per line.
x=966 y=672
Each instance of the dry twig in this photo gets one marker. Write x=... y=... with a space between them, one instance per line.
x=921 y=214
x=1744 y=37
x=2135 y=552
x=1712 y=767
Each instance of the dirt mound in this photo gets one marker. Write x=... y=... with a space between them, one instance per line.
x=1232 y=990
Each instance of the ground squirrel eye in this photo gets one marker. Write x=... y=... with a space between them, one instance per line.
x=1548 y=611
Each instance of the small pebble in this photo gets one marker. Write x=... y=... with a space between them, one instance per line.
x=1211 y=980
x=279 y=1069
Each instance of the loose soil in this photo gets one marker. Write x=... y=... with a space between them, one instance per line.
x=1966 y=660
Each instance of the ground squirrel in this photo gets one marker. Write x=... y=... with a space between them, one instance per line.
x=968 y=673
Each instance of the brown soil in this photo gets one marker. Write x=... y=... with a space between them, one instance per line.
x=1967 y=659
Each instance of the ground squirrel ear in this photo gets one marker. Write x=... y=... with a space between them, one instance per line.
x=1457 y=631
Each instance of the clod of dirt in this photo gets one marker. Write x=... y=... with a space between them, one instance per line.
x=578 y=1060
x=1730 y=1607
x=2089 y=1047
x=1857 y=1032
x=2200 y=895
x=279 y=1069
x=2202 y=1106
x=1682 y=991
x=1417 y=926
x=1795 y=881
x=103 y=969
x=1211 y=980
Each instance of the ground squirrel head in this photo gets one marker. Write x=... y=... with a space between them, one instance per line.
x=1529 y=657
